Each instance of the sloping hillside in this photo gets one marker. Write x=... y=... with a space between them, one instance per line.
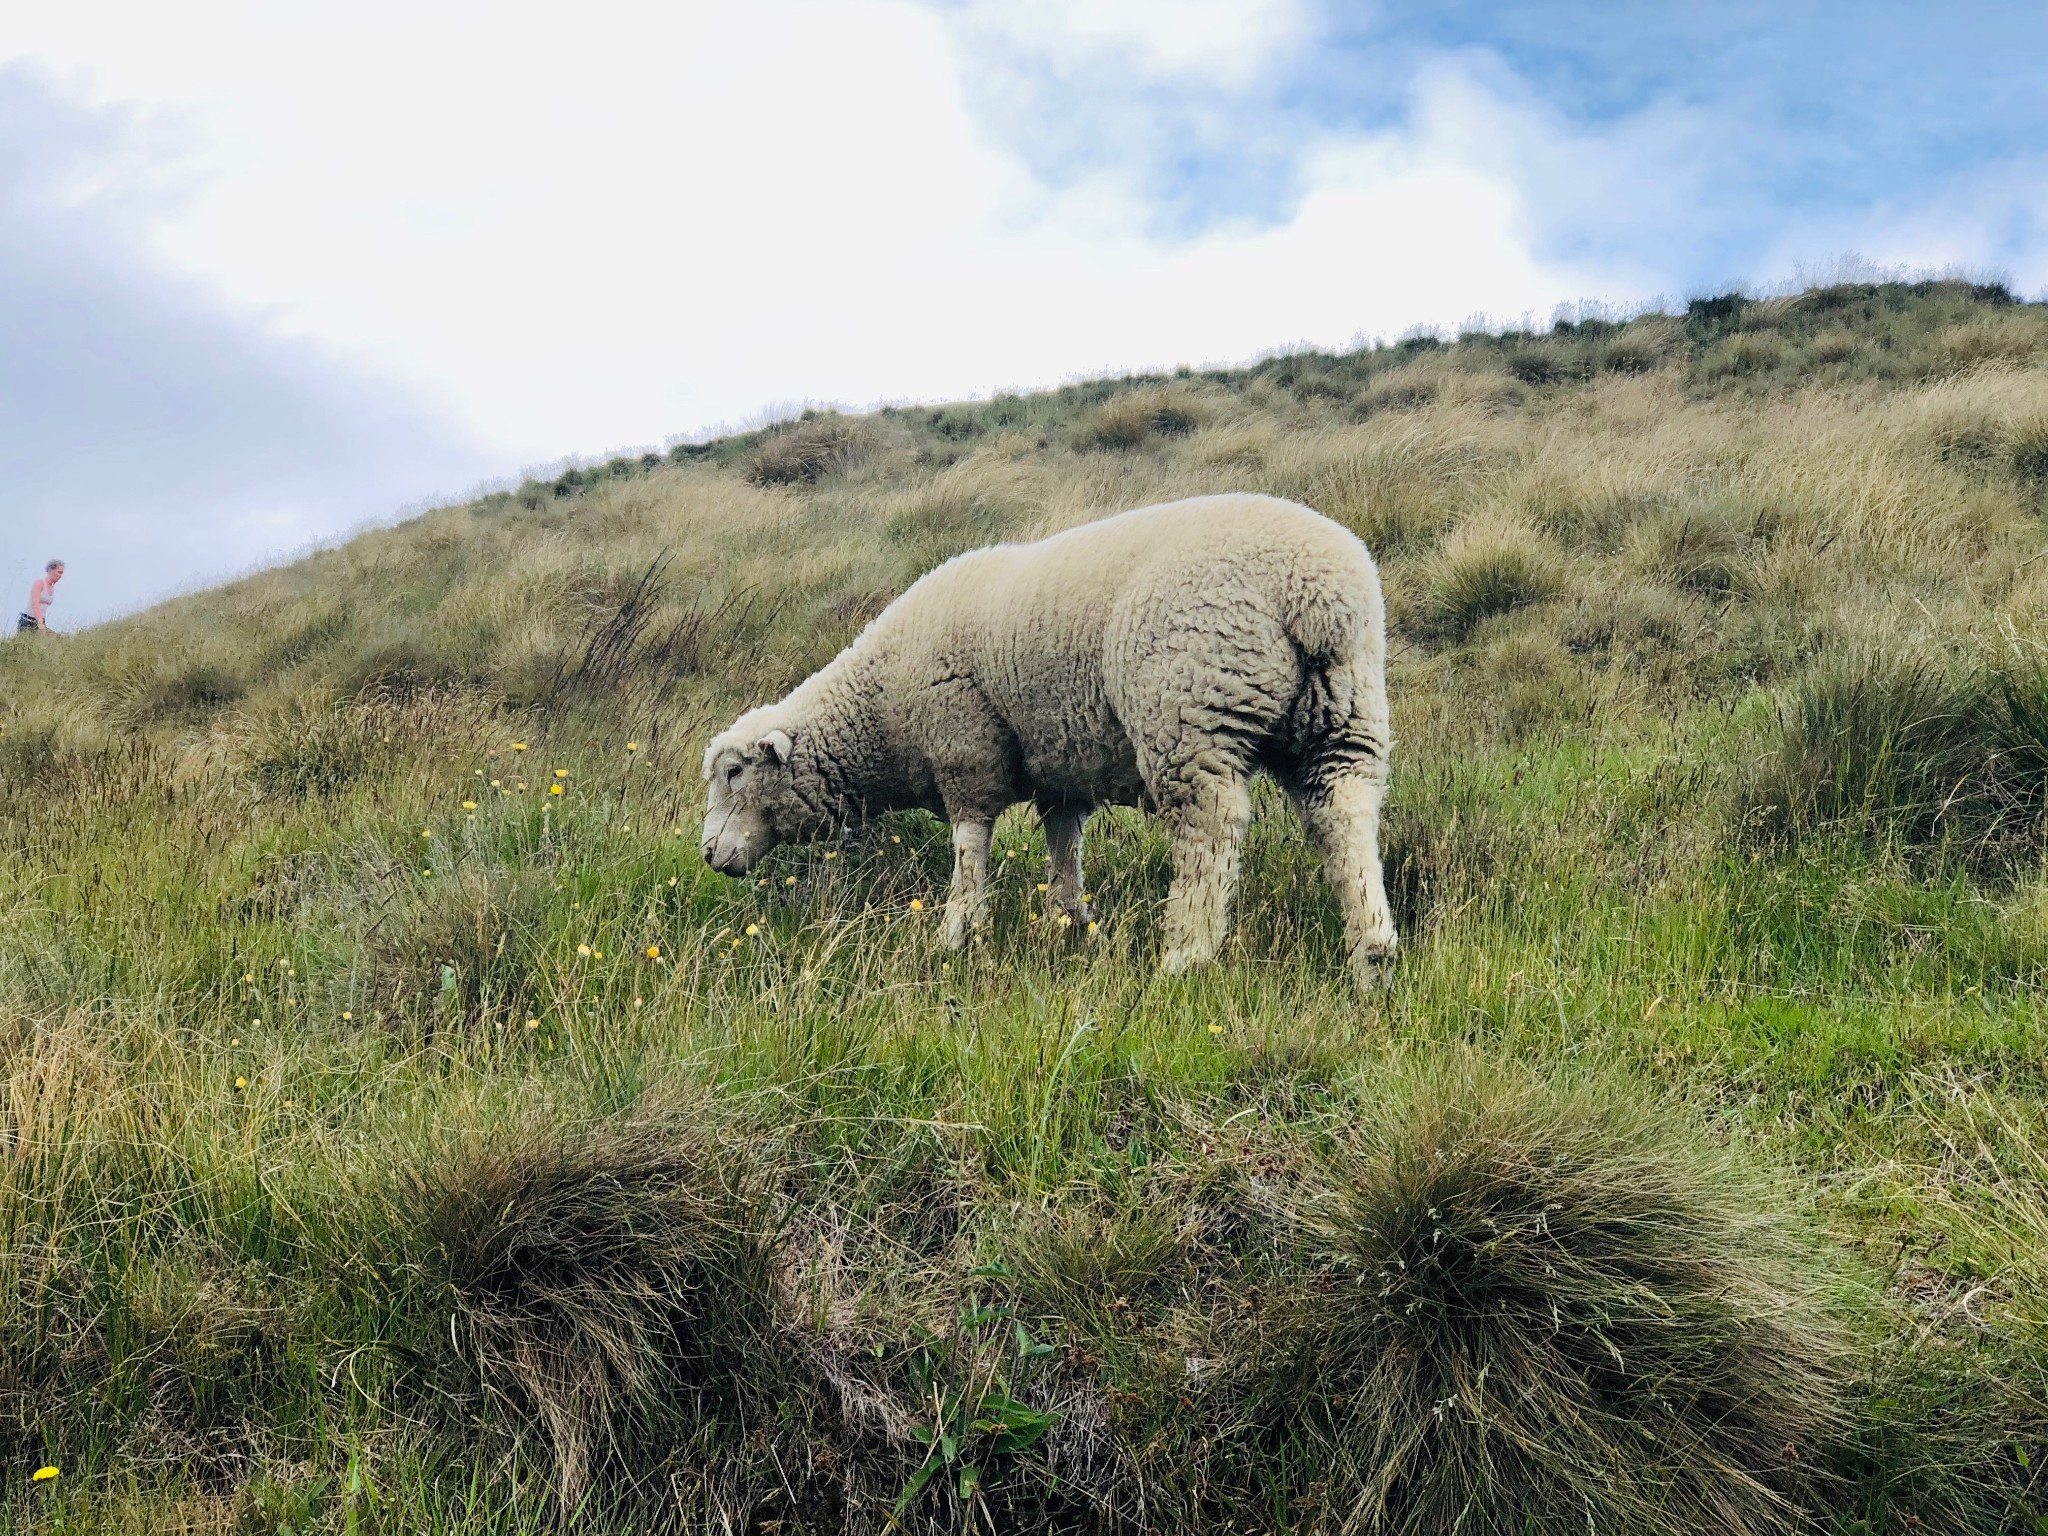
x=401 y=1130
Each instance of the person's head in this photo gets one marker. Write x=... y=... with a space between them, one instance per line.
x=54 y=570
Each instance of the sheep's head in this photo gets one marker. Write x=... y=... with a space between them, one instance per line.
x=751 y=804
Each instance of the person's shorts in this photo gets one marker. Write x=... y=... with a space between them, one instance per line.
x=27 y=624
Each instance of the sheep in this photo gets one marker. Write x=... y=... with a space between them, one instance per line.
x=1155 y=658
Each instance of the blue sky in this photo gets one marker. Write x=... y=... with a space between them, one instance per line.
x=269 y=273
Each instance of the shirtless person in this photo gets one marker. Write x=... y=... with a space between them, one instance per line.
x=39 y=594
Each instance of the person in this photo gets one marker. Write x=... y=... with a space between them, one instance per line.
x=40 y=593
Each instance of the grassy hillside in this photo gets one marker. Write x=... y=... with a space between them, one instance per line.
x=400 y=1130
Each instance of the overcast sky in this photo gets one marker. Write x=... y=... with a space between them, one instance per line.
x=268 y=272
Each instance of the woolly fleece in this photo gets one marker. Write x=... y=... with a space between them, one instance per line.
x=1154 y=658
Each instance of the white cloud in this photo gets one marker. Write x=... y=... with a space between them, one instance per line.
x=592 y=233
x=1222 y=42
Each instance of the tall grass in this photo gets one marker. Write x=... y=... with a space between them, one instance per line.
x=387 y=1142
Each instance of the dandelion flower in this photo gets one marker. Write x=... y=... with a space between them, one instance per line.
x=916 y=905
x=241 y=1082
x=533 y=1023
x=561 y=773
x=42 y=1474
x=248 y=975
x=831 y=853
x=426 y=872
x=1215 y=1029
x=597 y=954
x=554 y=789
x=426 y=832
x=895 y=838
x=1066 y=920
x=518 y=746
x=1041 y=886
x=346 y=1015
x=762 y=881
x=671 y=879
x=497 y=783
x=583 y=950
x=789 y=879
x=237 y=1040
x=1091 y=925
x=469 y=805
x=1009 y=853
x=654 y=951
x=632 y=746
x=753 y=929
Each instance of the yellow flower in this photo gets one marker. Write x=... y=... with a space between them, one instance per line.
x=346 y=1015
x=469 y=805
x=636 y=1002
x=533 y=1023
x=762 y=881
x=654 y=951
x=1215 y=1029
x=248 y=975
x=1009 y=853
x=916 y=905
x=753 y=929
x=42 y=1474
x=426 y=871
x=497 y=783
x=1041 y=885
x=671 y=879
x=597 y=954
x=518 y=746
x=241 y=1082
x=561 y=773
x=1066 y=921
x=424 y=832
x=789 y=879
x=632 y=746
x=554 y=789
x=831 y=853
x=894 y=838
x=1091 y=925
x=583 y=950
x=237 y=1040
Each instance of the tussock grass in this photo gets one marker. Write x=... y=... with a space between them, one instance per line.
x=524 y=1174
x=1534 y=1308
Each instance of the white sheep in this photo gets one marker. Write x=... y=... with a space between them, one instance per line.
x=1156 y=658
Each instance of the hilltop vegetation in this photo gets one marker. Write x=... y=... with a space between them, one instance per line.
x=401 y=1130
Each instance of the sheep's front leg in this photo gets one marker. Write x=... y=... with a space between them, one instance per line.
x=1063 y=826
x=967 y=899
x=1209 y=817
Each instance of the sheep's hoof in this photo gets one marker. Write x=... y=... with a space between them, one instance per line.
x=1185 y=957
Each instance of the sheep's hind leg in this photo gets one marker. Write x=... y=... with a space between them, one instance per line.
x=1208 y=817
x=1063 y=898
x=1344 y=822
x=967 y=898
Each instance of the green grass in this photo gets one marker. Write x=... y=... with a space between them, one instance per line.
x=374 y=1161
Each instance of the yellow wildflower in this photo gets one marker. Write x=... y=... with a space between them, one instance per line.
x=671 y=879
x=632 y=746
x=1215 y=1029
x=597 y=954
x=533 y=1023
x=1066 y=921
x=241 y=1082
x=248 y=975
x=1041 y=885
x=469 y=805
x=561 y=773
x=894 y=838
x=831 y=853
x=426 y=832
x=554 y=789
x=916 y=905
x=789 y=879
x=518 y=746
x=42 y=1474
x=1091 y=925
x=654 y=951
x=753 y=929
x=346 y=1015
x=583 y=950
x=497 y=783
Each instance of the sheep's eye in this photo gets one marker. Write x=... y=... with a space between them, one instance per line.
x=732 y=773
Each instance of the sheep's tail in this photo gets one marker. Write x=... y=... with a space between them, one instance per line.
x=1338 y=723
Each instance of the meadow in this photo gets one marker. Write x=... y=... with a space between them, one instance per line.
x=401 y=1130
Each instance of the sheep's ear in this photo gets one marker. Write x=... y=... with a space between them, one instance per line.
x=779 y=744
x=710 y=757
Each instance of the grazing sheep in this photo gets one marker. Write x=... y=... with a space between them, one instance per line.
x=1156 y=658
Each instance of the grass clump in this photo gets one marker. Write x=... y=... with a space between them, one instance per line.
x=1132 y=417
x=805 y=451
x=601 y=1287
x=1491 y=563
x=1535 y=1308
